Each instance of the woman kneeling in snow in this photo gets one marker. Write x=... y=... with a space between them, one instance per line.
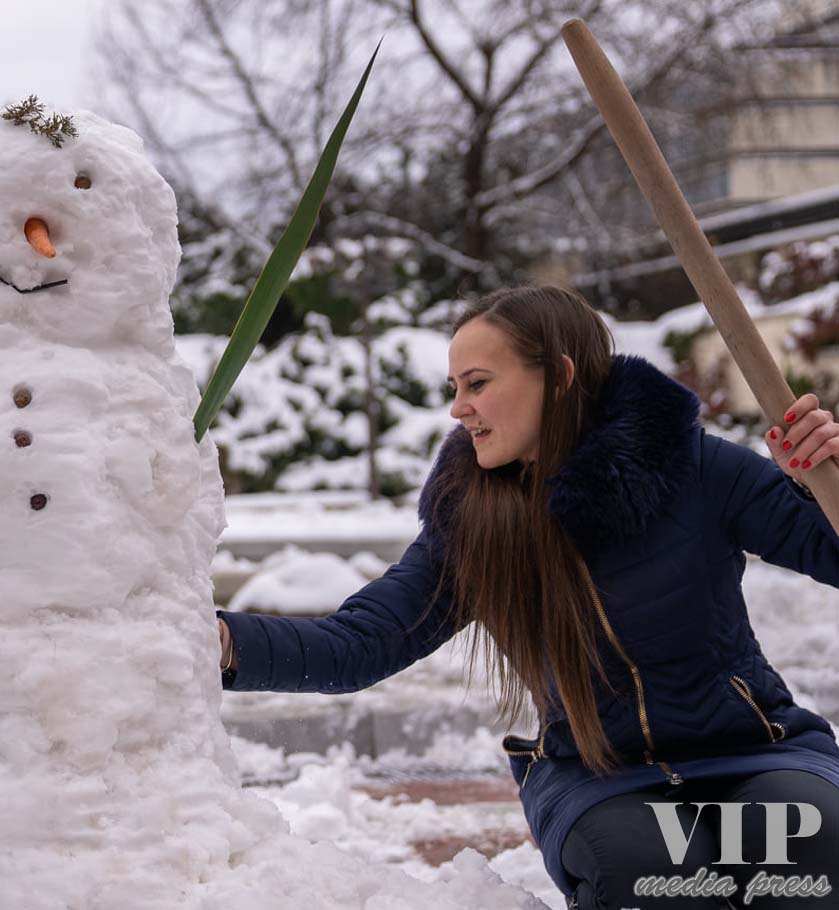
x=584 y=521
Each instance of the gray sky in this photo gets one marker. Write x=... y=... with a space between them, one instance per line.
x=45 y=49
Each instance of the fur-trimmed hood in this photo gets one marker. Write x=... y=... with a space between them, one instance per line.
x=626 y=468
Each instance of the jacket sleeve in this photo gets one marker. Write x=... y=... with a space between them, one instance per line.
x=369 y=638
x=763 y=511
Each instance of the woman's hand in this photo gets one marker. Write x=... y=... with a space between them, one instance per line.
x=809 y=436
x=228 y=656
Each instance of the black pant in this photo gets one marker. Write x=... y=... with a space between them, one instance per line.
x=619 y=840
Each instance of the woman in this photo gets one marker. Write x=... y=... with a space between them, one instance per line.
x=593 y=533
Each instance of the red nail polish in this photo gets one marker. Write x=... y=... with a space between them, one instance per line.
x=807 y=464
x=790 y=417
x=787 y=446
x=794 y=463
x=773 y=434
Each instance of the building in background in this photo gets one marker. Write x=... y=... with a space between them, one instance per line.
x=760 y=168
x=783 y=136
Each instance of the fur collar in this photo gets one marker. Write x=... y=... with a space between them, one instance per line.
x=627 y=467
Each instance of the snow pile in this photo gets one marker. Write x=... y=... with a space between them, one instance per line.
x=117 y=780
x=387 y=829
x=321 y=800
x=294 y=581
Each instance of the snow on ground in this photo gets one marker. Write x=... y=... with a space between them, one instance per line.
x=323 y=793
x=282 y=517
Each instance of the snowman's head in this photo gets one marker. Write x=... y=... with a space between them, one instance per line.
x=105 y=274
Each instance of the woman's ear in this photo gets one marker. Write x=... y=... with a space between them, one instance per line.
x=569 y=367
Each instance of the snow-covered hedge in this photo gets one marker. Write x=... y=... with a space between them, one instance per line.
x=296 y=417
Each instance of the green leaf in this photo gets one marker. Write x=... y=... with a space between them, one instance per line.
x=272 y=281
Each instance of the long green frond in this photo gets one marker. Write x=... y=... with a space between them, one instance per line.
x=273 y=279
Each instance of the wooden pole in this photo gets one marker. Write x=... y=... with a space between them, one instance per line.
x=674 y=215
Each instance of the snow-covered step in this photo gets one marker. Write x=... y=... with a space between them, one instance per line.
x=370 y=732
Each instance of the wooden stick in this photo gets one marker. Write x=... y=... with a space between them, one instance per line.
x=674 y=215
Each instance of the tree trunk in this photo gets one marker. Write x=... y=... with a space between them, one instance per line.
x=474 y=231
x=371 y=404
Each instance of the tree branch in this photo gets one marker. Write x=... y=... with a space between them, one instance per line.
x=249 y=89
x=173 y=75
x=515 y=84
x=545 y=45
x=442 y=60
x=397 y=226
x=583 y=137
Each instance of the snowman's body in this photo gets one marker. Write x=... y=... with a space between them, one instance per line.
x=109 y=725
x=111 y=447
x=118 y=785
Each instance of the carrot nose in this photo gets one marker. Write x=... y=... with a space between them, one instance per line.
x=38 y=235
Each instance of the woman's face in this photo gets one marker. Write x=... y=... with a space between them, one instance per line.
x=495 y=391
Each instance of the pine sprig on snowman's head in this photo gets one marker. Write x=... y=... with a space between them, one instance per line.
x=55 y=127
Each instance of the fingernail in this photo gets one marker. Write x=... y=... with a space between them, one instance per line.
x=794 y=463
x=773 y=434
x=787 y=446
x=806 y=465
x=790 y=417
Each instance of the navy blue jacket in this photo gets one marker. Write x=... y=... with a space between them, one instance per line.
x=662 y=513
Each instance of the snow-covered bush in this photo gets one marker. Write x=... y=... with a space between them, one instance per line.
x=798 y=268
x=296 y=418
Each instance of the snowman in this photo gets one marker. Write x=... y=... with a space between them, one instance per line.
x=117 y=780
x=110 y=518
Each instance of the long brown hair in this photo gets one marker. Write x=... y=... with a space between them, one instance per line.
x=511 y=567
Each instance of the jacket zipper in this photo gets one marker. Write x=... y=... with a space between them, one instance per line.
x=535 y=754
x=742 y=689
x=673 y=777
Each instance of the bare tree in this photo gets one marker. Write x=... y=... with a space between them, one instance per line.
x=475 y=139
x=528 y=166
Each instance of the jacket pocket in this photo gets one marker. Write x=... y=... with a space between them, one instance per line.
x=534 y=749
x=775 y=731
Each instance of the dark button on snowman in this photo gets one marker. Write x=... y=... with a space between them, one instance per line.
x=22 y=397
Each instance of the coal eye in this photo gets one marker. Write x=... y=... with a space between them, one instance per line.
x=82 y=182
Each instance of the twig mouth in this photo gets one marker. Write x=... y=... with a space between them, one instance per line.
x=40 y=287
